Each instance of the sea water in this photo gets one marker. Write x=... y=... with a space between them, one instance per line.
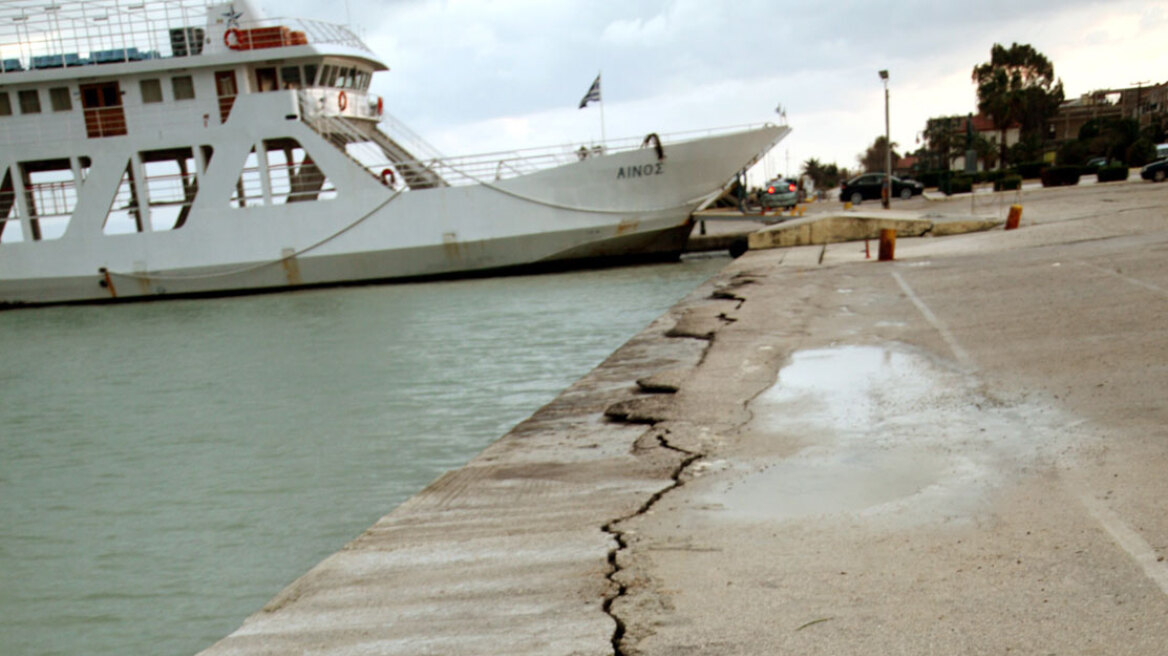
x=168 y=467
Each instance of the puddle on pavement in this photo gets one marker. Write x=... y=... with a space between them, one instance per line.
x=880 y=431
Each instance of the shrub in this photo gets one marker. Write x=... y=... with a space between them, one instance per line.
x=1141 y=152
x=1072 y=153
x=1030 y=170
x=1008 y=182
x=958 y=185
x=1113 y=173
x=930 y=178
x=995 y=175
x=1060 y=176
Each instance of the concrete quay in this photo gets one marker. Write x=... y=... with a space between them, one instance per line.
x=962 y=451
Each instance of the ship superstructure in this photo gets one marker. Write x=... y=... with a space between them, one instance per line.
x=177 y=147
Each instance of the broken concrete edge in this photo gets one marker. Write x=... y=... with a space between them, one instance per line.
x=652 y=408
x=836 y=228
x=617 y=570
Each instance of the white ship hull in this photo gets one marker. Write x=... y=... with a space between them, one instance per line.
x=595 y=208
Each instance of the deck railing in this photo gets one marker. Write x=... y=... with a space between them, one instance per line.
x=44 y=34
x=473 y=169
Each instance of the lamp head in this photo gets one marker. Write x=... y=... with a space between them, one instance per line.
x=884 y=75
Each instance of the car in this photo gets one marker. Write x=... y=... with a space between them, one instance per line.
x=780 y=192
x=1096 y=162
x=868 y=186
x=1156 y=171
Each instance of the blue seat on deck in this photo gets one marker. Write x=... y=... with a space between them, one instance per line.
x=11 y=65
x=115 y=56
x=48 y=61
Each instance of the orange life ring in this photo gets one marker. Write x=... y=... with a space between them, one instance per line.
x=380 y=106
x=342 y=100
x=227 y=39
x=389 y=173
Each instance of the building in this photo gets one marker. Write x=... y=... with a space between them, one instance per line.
x=948 y=133
x=1143 y=103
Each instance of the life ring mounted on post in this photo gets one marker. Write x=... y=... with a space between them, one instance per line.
x=234 y=44
x=342 y=100
x=388 y=173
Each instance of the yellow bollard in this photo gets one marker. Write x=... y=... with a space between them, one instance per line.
x=887 y=245
x=1014 y=218
x=847 y=205
x=802 y=208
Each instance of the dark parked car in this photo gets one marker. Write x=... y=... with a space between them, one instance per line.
x=867 y=187
x=1156 y=171
x=780 y=192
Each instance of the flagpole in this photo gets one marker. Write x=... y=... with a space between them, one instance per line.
x=603 y=137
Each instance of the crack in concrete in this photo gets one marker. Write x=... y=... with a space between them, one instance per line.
x=623 y=412
x=615 y=568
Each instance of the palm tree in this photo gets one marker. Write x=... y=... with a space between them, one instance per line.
x=873 y=158
x=813 y=169
x=1017 y=85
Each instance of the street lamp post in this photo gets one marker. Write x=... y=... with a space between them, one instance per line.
x=887 y=195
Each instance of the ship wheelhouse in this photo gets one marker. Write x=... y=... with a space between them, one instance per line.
x=140 y=89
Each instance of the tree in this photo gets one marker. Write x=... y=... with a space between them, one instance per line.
x=1017 y=85
x=813 y=169
x=823 y=175
x=1109 y=137
x=986 y=149
x=873 y=158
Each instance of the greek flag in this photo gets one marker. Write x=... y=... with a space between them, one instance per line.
x=593 y=93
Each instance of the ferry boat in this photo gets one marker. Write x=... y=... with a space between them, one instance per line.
x=183 y=147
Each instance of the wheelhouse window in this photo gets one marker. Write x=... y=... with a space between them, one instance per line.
x=59 y=99
x=30 y=102
x=291 y=77
x=309 y=74
x=5 y=104
x=266 y=80
x=151 y=91
x=183 y=87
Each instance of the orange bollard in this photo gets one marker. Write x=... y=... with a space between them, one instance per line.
x=1014 y=217
x=887 y=245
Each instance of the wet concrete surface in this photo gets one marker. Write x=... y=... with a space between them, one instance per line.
x=959 y=452
x=962 y=451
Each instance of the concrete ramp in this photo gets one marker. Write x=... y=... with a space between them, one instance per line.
x=854 y=226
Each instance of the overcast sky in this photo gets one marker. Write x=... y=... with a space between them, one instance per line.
x=474 y=76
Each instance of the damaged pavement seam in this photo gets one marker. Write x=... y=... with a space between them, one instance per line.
x=621 y=543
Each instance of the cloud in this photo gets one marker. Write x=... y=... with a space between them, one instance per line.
x=471 y=75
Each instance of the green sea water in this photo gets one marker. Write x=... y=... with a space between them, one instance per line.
x=168 y=467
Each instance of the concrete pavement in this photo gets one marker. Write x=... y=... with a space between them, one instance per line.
x=963 y=451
